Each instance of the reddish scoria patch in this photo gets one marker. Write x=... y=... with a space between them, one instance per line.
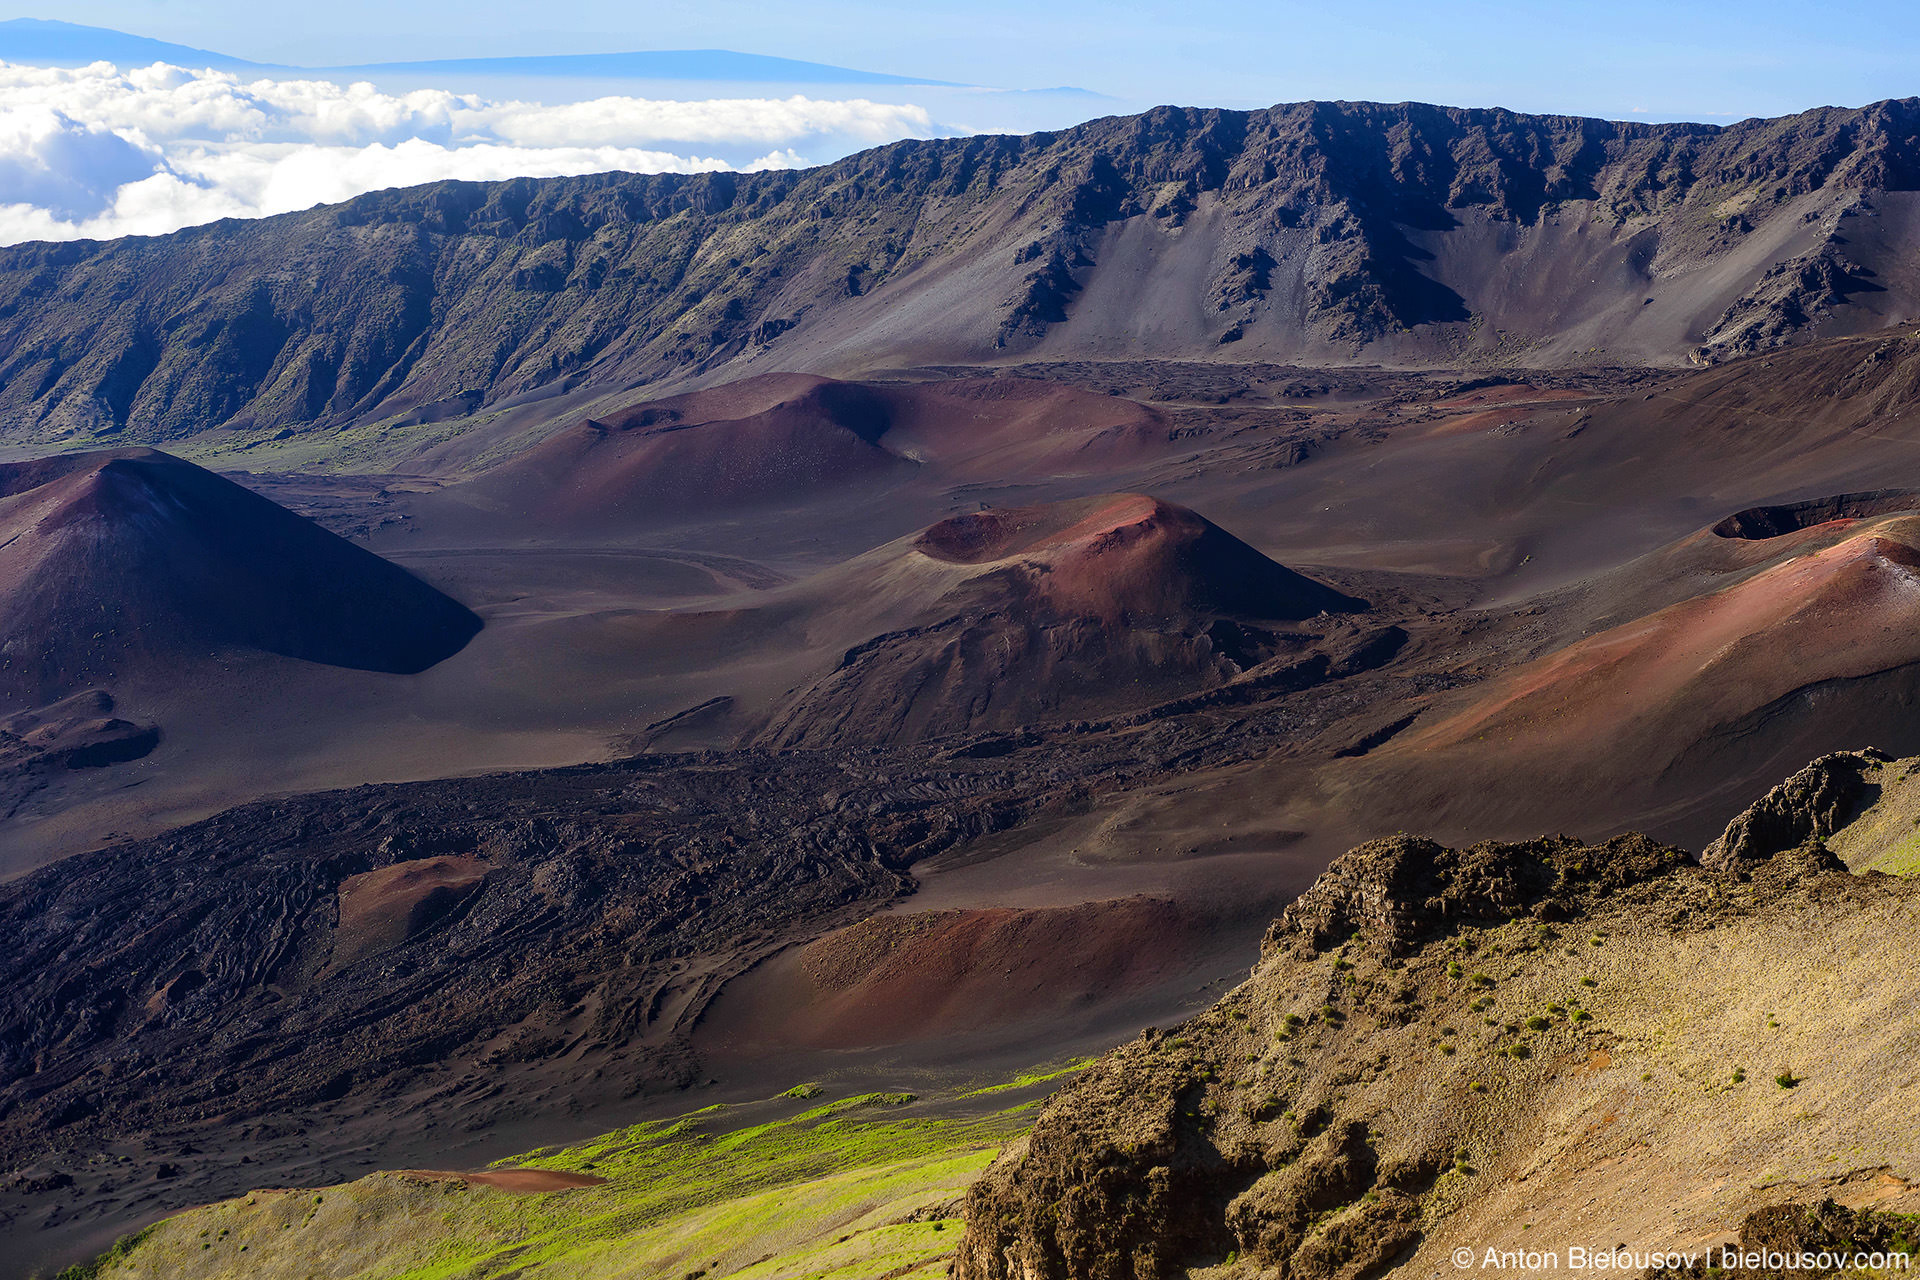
x=525 y=1182
x=1842 y=612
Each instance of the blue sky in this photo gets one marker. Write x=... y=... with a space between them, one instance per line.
x=1628 y=59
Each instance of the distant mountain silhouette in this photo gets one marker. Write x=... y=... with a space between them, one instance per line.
x=47 y=43
x=43 y=42
x=653 y=64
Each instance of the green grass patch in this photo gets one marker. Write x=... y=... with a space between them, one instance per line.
x=1028 y=1079
x=858 y=1186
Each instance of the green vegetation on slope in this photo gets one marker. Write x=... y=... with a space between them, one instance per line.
x=862 y=1186
x=1028 y=1079
x=1885 y=836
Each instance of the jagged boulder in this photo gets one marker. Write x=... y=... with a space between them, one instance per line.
x=1810 y=806
x=1402 y=891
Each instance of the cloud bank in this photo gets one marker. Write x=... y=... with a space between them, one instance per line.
x=96 y=152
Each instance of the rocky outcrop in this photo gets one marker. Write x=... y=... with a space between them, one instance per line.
x=1172 y=1152
x=1422 y=1024
x=1789 y=296
x=1808 y=807
x=1403 y=891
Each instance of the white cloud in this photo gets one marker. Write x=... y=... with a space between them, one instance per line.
x=63 y=165
x=764 y=121
x=100 y=152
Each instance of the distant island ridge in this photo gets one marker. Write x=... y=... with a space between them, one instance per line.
x=50 y=43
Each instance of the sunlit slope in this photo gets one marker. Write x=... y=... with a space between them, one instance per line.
x=860 y=1186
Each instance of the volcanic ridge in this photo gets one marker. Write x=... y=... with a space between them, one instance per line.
x=1309 y=232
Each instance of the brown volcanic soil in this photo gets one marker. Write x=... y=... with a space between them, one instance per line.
x=130 y=564
x=900 y=977
x=777 y=439
x=1624 y=709
x=787 y=440
x=382 y=908
x=1497 y=545
x=593 y=638
x=1132 y=555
